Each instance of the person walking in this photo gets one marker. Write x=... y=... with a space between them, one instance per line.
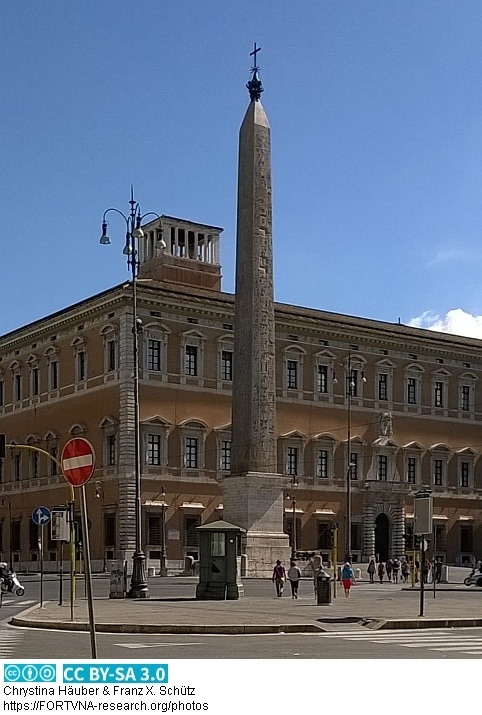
x=347 y=577
x=372 y=567
x=438 y=570
x=405 y=570
x=388 y=568
x=395 y=570
x=381 y=571
x=294 y=575
x=279 y=578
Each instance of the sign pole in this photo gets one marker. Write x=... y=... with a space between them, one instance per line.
x=41 y=545
x=72 y=559
x=88 y=574
x=61 y=573
x=78 y=464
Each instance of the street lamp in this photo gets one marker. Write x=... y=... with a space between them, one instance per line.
x=134 y=233
x=9 y=507
x=99 y=494
x=294 y=545
x=163 y=560
x=351 y=391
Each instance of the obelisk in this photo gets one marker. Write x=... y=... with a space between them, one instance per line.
x=253 y=492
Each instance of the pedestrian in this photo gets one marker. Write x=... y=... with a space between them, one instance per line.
x=347 y=578
x=294 y=575
x=372 y=567
x=395 y=570
x=405 y=570
x=279 y=578
x=417 y=570
x=381 y=571
x=427 y=567
x=438 y=570
x=388 y=568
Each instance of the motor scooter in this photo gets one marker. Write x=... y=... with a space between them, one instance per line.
x=14 y=586
x=474 y=578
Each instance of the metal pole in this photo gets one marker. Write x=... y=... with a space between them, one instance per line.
x=72 y=558
x=138 y=580
x=422 y=590
x=61 y=574
x=434 y=560
x=163 y=564
x=41 y=566
x=294 y=545
x=348 y=470
x=88 y=574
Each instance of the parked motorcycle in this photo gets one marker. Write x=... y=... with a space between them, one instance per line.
x=12 y=584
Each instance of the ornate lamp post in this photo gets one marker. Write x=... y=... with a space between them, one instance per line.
x=5 y=502
x=163 y=559
x=294 y=544
x=134 y=233
x=351 y=391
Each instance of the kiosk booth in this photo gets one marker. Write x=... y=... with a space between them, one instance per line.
x=220 y=561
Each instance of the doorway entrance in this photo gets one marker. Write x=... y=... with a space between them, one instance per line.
x=382 y=537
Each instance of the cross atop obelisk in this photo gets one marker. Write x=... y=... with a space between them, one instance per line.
x=254 y=85
x=253 y=492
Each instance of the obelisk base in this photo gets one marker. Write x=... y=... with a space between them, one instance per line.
x=254 y=501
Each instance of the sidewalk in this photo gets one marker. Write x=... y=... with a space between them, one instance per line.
x=372 y=606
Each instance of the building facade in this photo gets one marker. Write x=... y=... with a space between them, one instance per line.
x=408 y=401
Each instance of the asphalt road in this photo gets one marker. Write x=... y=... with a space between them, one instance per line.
x=346 y=642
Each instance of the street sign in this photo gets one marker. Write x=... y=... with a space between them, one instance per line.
x=78 y=461
x=423 y=508
x=60 y=526
x=41 y=516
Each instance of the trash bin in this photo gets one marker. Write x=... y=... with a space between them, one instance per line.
x=323 y=590
x=445 y=574
x=151 y=571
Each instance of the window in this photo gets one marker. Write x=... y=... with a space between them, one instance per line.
x=17 y=387
x=288 y=529
x=54 y=375
x=465 y=398
x=292 y=374
x=17 y=468
x=383 y=386
x=464 y=474
x=109 y=530
x=191 y=455
x=352 y=383
x=111 y=450
x=411 y=470
x=225 y=455
x=226 y=365
x=191 y=360
x=292 y=461
x=438 y=394
x=154 y=449
x=54 y=453
x=154 y=353
x=438 y=472
x=382 y=472
x=466 y=538
x=322 y=379
x=440 y=534
x=2 y=392
x=111 y=348
x=356 y=536
x=191 y=534
x=322 y=463
x=353 y=466
x=154 y=527
x=34 y=465
x=411 y=391
x=324 y=536
x=81 y=366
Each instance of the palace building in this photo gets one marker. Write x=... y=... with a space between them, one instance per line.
x=328 y=409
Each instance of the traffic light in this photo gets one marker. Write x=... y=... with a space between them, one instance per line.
x=409 y=545
x=3 y=446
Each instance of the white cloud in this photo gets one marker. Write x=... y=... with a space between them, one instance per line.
x=456 y=321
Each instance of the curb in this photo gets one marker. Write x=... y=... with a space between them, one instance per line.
x=385 y=624
x=241 y=629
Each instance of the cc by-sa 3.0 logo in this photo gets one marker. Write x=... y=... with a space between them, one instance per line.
x=29 y=673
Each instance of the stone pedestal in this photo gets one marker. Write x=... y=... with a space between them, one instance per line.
x=254 y=501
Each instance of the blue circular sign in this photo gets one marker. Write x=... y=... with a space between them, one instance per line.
x=41 y=516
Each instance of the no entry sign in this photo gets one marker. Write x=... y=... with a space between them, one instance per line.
x=78 y=461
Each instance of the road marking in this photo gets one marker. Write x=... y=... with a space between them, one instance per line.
x=8 y=641
x=153 y=645
x=435 y=640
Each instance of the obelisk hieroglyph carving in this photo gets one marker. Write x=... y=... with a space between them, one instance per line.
x=253 y=493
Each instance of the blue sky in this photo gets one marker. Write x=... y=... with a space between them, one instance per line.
x=376 y=116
